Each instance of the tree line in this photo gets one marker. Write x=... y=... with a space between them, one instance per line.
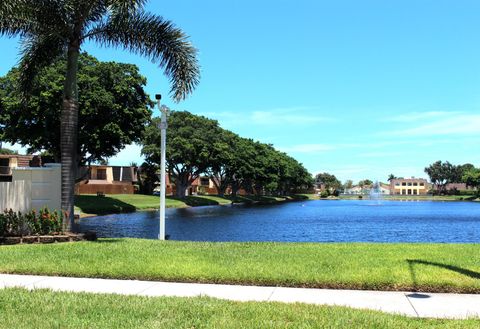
x=114 y=111
x=443 y=173
x=198 y=146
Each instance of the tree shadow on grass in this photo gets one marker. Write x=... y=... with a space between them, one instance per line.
x=101 y=205
x=298 y=197
x=195 y=201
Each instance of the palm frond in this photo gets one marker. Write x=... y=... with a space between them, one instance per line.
x=14 y=18
x=23 y=17
x=126 y=6
x=157 y=39
x=38 y=52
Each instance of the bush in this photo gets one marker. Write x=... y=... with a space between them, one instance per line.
x=17 y=224
x=324 y=194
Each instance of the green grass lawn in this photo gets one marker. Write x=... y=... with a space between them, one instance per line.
x=425 y=267
x=120 y=203
x=45 y=309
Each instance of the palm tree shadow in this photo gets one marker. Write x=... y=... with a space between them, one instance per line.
x=413 y=262
x=460 y=270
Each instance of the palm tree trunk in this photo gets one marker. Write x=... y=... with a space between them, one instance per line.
x=68 y=135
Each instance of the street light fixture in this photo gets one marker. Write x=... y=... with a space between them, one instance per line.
x=164 y=110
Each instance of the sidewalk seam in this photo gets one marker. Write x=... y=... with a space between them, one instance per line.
x=273 y=291
x=149 y=287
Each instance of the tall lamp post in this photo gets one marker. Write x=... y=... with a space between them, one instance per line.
x=163 y=149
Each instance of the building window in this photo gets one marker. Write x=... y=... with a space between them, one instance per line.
x=415 y=184
x=415 y=192
x=4 y=167
x=404 y=184
x=409 y=184
x=397 y=184
x=409 y=192
x=422 y=184
x=204 y=181
x=102 y=174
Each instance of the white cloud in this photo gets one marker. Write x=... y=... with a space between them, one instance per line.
x=455 y=124
x=385 y=154
x=280 y=116
x=416 y=116
x=306 y=148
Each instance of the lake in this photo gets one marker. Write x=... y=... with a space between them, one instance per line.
x=309 y=221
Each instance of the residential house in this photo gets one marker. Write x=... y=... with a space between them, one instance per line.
x=384 y=189
x=105 y=179
x=201 y=185
x=7 y=162
x=356 y=190
x=381 y=188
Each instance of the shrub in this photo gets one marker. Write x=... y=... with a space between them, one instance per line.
x=17 y=224
x=324 y=194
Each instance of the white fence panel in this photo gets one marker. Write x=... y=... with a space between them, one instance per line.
x=45 y=185
x=32 y=188
x=16 y=196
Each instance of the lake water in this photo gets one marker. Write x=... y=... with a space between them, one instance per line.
x=309 y=221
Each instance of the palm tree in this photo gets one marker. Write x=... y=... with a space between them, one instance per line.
x=52 y=28
x=391 y=177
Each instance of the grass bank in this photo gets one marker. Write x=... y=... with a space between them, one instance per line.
x=416 y=197
x=420 y=267
x=121 y=203
x=45 y=309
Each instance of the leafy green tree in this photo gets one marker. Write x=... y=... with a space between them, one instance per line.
x=472 y=178
x=147 y=177
x=113 y=109
x=348 y=184
x=441 y=174
x=328 y=181
x=459 y=171
x=365 y=182
x=52 y=28
x=190 y=147
x=222 y=160
x=292 y=175
x=240 y=168
x=265 y=177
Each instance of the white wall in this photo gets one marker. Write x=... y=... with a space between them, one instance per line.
x=32 y=188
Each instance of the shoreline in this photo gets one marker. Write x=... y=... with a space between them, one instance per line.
x=189 y=202
x=452 y=198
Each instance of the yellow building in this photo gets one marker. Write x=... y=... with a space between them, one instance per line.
x=409 y=186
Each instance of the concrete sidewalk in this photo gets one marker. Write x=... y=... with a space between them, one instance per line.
x=457 y=306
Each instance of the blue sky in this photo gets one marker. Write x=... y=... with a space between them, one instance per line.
x=360 y=89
